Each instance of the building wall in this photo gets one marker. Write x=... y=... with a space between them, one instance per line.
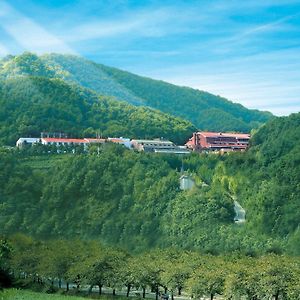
x=186 y=182
x=215 y=141
x=151 y=145
x=27 y=141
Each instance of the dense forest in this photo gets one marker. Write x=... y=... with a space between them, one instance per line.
x=204 y=110
x=30 y=105
x=133 y=200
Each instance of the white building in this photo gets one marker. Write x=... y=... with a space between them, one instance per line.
x=152 y=145
x=122 y=141
x=186 y=182
x=63 y=142
x=27 y=141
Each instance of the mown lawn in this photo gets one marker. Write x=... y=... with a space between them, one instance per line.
x=14 y=294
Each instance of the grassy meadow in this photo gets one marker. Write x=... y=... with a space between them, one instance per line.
x=15 y=294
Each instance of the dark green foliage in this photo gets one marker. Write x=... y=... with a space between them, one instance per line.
x=30 y=105
x=120 y=197
x=204 y=110
x=279 y=137
x=5 y=256
x=268 y=177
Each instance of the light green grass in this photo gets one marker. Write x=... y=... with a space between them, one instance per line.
x=44 y=162
x=14 y=294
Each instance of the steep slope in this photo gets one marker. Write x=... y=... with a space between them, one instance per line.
x=204 y=110
x=276 y=148
x=29 y=105
x=266 y=180
x=120 y=197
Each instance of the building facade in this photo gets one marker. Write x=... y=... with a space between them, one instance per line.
x=122 y=141
x=218 y=141
x=153 y=145
x=27 y=141
x=186 y=182
x=63 y=142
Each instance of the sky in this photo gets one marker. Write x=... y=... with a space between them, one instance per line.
x=246 y=51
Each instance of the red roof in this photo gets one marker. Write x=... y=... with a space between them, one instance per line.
x=61 y=140
x=225 y=134
x=116 y=140
x=95 y=140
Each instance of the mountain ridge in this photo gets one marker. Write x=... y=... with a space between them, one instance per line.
x=206 y=111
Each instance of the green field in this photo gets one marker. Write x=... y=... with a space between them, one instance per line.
x=14 y=294
x=43 y=163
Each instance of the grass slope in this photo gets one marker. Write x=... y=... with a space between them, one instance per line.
x=14 y=294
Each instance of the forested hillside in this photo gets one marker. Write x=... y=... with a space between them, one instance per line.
x=274 y=204
x=30 y=105
x=120 y=197
x=133 y=199
x=266 y=180
x=204 y=110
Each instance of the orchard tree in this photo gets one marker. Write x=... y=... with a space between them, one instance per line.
x=208 y=279
x=243 y=279
x=58 y=257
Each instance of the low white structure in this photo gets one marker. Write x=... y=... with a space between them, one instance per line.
x=63 y=142
x=152 y=145
x=27 y=141
x=173 y=151
x=186 y=182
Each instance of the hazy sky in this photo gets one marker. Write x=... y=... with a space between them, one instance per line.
x=247 y=51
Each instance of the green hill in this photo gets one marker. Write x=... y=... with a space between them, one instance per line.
x=266 y=180
x=132 y=200
x=204 y=110
x=275 y=199
x=30 y=105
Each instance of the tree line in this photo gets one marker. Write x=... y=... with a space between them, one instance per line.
x=171 y=272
